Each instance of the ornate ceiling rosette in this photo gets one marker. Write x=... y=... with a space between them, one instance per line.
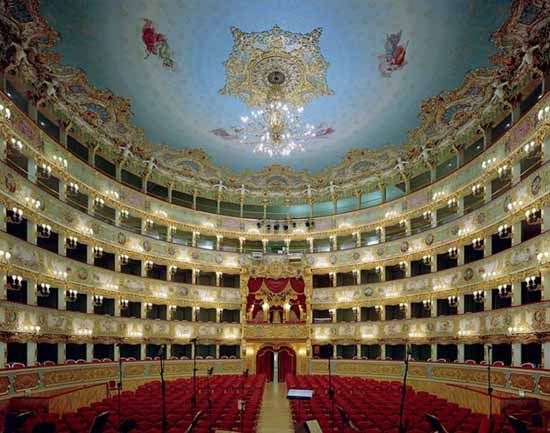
x=260 y=60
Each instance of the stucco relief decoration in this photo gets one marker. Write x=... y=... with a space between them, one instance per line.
x=121 y=238
x=429 y=239
x=10 y=183
x=146 y=246
x=536 y=185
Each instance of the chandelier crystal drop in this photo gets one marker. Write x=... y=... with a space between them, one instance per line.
x=276 y=128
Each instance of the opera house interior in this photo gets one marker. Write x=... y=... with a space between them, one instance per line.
x=275 y=216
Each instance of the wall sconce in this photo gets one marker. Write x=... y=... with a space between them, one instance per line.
x=59 y=160
x=543 y=113
x=148 y=265
x=542 y=258
x=504 y=291
x=479 y=296
x=427 y=260
x=378 y=230
x=402 y=265
x=452 y=203
x=15 y=215
x=378 y=308
x=530 y=147
x=5 y=256
x=437 y=195
x=5 y=112
x=124 y=304
x=532 y=284
x=72 y=295
x=503 y=171
x=172 y=308
x=533 y=216
x=286 y=307
x=149 y=224
x=44 y=170
x=477 y=244
x=98 y=252
x=97 y=300
x=43 y=290
x=33 y=203
x=402 y=306
x=15 y=282
x=124 y=215
x=88 y=231
x=504 y=231
x=16 y=144
x=403 y=223
x=427 y=215
x=265 y=306
x=427 y=304
x=172 y=269
x=99 y=203
x=148 y=306
x=514 y=205
x=453 y=252
x=123 y=259
x=60 y=275
x=477 y=189
x=72 y=188
x=30 y=329
x=378 y=269
x=452 y=300
x=112 y=193
x=71 y=242
x=44 y=231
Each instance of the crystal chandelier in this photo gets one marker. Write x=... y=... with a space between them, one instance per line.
x=276 y=128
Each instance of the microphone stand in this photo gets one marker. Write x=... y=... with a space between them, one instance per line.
x=489 y=386
x=194 y=398
x=241 y=403
x=331 y=395
x=209 y=390
x=402 y=422
x=119 y=387
x=163 y=389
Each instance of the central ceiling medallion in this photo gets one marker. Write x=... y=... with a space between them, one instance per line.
x=276 y=73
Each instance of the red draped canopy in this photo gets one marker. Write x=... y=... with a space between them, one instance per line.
x=297 y=286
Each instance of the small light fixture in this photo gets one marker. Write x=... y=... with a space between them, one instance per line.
x=427 y=215
x=479 y=296
x=44 y=231
x=403 y=223
x=503 y=171
x=5 y=256
x=72 y=295
x=378 y=269
x=72 y=188
x=530 y=147
x=452 y=300
x=452 y=203
x=533 y=216
x=477 y=244
x=504 y=291
x=477 y=189
x=427 y=260
x=488 y=162
x=124 y=259
x=15 y=215
x=5 y=112
x=124 y=215
x=172 y=308
x=402 y=306
x=71 y=242
x=15 y=282
x=124 y=304
x=453 y=253
x=97 y=300
x=504 y=231
x=98 y=252
x=402 y=265
x=59 y=160
x=99 y=203
x=532 y=284
x=149 y=224
x=427 y=304
x=172 y=269
x=43 y=290
x=149 y=265
x=33 y=203
x=44 y=170
x=16 y=144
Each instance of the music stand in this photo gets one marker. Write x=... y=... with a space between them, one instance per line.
x=346 y=419
x=517 y=425
x=299 y=395
x=14 y=422
x=194 y=422
x=435 y=423
x=99 y=422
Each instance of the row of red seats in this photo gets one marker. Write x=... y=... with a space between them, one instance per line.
x=144 y=405
x=373 y=407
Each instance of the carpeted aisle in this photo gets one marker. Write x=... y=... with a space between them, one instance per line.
x=275 y=414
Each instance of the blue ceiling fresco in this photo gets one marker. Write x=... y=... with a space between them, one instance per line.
x=173 y=74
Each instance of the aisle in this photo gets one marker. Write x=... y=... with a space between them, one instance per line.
x=275 y=412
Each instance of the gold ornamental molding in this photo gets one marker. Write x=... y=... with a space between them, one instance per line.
x=269 y=332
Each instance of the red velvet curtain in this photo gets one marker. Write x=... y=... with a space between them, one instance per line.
x=277 y=286
x=264 y=363
x=287 y=363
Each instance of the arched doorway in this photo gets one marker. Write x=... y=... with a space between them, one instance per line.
x=286 y=362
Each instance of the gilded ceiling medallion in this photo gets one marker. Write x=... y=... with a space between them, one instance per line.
x=291 y=61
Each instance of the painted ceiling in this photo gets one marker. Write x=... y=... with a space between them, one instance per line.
x=385 y=57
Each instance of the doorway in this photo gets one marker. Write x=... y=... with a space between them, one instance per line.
x=269 y=357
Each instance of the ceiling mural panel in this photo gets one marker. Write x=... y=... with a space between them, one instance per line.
x=166 y=59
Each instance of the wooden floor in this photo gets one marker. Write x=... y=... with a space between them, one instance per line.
x=275 y=412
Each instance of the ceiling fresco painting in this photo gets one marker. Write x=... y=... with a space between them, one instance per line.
x=397 y=85
x=167 y=57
